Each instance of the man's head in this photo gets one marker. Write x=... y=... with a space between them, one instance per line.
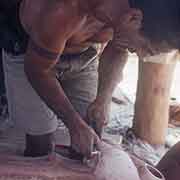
x=161 y=21
x=159 y=24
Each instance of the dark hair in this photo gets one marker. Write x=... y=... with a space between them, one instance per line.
x=161 y=20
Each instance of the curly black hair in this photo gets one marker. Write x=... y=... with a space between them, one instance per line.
x=161 y=20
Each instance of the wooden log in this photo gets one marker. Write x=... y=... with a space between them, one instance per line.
x=152 y=101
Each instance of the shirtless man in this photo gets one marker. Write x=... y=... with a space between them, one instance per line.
x=60 y=32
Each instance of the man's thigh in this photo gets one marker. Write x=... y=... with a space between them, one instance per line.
x=81 y=87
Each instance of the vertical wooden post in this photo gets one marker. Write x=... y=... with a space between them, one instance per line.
x=152 y=101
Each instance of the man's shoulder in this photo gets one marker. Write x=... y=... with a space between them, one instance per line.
x=44 y=9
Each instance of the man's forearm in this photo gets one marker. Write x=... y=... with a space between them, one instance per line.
x=111 y=66
x=50 y=90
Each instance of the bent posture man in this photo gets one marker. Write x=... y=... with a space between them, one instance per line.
x=52 y=70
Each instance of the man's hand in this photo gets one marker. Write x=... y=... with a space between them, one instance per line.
x=98 y=116
x=84 y=139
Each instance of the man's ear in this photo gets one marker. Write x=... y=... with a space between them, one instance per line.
x=132 y=19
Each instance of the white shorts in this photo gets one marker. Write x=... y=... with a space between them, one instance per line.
x=26 y=108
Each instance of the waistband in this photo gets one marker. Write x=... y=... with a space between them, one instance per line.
x=74 y=55
x=93 y=50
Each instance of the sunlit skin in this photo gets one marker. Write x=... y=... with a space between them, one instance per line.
x=69 y=26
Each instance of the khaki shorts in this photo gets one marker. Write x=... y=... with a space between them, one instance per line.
x=78 y=77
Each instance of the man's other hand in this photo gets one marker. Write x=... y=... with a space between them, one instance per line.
x=98 y=116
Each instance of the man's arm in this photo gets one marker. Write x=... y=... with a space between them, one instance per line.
x=111 y=65
x=115 y=55
x=125 y=36
x=40 y=73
